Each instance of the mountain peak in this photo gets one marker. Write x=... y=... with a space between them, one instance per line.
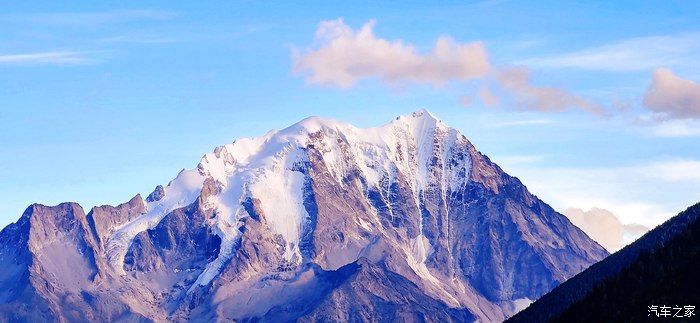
x=420 y=115
x=421 y=122
x=424 y=113
x=315 y=123
x=419 y=126
x=430 y=215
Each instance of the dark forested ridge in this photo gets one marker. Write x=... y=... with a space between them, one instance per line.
x=661 y=268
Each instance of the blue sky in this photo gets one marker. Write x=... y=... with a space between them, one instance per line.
x=101 y=101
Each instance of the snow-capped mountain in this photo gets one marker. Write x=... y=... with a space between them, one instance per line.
x=319 y=221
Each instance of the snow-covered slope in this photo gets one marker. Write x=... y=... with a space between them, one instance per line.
x=270 y=169
x=321 y=203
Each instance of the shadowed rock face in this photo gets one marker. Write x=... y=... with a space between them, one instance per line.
x=403 y=222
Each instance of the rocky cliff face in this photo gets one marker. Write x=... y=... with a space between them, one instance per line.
x=319 y=221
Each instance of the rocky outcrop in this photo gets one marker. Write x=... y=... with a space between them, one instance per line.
x=103 y=219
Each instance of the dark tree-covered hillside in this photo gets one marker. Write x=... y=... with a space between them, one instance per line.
x=661 y=268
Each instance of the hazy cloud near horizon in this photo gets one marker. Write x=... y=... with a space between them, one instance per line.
x=605 y=228
x=647 y=193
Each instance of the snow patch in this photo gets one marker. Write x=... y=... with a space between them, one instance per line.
x=364 y=224
x=282 y=195
x=521 y=304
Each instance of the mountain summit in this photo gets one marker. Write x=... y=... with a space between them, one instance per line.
x=319 y=221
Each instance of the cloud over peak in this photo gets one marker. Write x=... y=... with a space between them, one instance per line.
x=517 y=81
x=605 y=228
x=342 y=56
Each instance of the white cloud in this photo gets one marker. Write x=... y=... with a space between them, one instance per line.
x=48 y=58
x=634 y=54
x=605 y=228
x=343 y=56
x=517 y=82
x=673 y=96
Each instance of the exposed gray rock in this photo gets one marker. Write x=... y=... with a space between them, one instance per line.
x=156 y=195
